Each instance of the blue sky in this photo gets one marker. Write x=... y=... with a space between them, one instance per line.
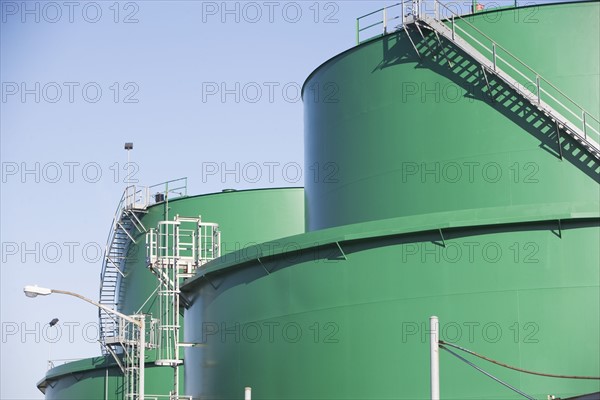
x=198 y=87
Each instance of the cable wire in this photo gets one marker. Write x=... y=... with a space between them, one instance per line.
x=514 y=389
x=516 y=368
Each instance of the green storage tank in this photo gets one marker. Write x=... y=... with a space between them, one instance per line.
x=436 y=201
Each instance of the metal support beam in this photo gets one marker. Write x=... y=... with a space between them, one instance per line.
x=341 y=250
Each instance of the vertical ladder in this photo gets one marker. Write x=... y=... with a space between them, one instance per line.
x=175 y=250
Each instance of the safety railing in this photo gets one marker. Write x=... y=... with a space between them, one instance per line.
x=62 y=361
x=140 y=197
x=530 y=82
x=380 y=22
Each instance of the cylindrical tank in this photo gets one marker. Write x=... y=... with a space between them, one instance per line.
x=402 y=135
x=435 y=202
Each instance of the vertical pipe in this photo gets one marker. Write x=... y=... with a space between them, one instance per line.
x=357 y=31
x=142 y=352
x=384 y=20
x=434 y=357
x=436 y=9
x=494 y=51
x=474 y=6
x=584 y=126
x=537 y=84
x=247 y=393
x=453 y=30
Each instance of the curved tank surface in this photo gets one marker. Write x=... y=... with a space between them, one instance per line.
x=403 y=135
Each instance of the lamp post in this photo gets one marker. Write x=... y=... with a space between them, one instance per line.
x=34 y=291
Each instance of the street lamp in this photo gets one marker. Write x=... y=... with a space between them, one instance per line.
x=34 y=291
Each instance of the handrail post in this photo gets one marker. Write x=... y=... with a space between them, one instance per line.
x=384 y=20
x=403 y=14
x=537 y=84
x=436 y=9
x=357 y=31
x=434 y=348
x=494 y=53
x=584 y=125
x=453 y=31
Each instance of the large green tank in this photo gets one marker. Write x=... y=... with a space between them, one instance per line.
x=244 y=217
x=403 y=135
x=438 y=202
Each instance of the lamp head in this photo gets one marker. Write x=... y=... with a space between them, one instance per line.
x=34 y=290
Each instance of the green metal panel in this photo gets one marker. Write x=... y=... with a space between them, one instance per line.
x=410 y=136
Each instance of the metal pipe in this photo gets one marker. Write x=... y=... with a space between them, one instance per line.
x=494 y=51
x=384 y=20
x=434 y=348
x=142 y=343
x=247 y=393
x=537 y=83
x=584 y=126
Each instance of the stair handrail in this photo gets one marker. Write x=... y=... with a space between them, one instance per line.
x=112 y=231
x=585 y=118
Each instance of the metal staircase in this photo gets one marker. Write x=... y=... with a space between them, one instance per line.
x=567 y=115
x=126 y=226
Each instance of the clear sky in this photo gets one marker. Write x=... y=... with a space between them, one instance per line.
x=207 y=90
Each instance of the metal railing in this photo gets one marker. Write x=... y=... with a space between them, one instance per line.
x=377 y=23
x=530 y=82
x=140 y=197
x=62 y=361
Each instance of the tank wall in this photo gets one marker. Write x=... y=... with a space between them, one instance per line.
x=321 y=327
x=409 y=136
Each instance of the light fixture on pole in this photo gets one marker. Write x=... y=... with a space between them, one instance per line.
x=34 y=291
x=128 y=147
